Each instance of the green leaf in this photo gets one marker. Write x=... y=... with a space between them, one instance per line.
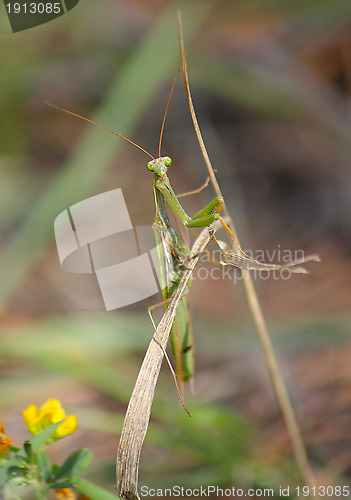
x=44 y=465
x=14 y=449
x=16 y=471
x=92 y=490
x=5 y=470
x=39 y=440
x=62 y=484
x=75 y=464
x=55 y=468
x=4 y=473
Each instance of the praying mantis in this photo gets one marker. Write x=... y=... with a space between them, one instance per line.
x=172 y=253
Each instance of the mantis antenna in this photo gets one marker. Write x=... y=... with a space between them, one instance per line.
x=101 y=126
x=166 y=110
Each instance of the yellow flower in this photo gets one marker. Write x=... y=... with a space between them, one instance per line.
x=5 y=441
x=49 y=413
x=65 y=494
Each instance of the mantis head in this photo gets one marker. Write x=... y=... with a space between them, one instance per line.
x=160 y=165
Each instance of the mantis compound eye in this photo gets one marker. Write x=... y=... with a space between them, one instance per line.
x=150 y=166
x=167 y=161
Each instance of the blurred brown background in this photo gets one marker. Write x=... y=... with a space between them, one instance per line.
x=271 y=83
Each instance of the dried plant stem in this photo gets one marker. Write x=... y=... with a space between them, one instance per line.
x=255 y=308
x=138 y=413
x=278 y=382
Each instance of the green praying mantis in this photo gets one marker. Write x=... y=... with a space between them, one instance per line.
x=172 y=253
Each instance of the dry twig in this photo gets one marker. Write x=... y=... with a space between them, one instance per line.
x=138 y=413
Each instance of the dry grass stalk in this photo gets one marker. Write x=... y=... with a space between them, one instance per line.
x=138 y=413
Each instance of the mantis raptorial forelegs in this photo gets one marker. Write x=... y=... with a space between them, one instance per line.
x=203 y=218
